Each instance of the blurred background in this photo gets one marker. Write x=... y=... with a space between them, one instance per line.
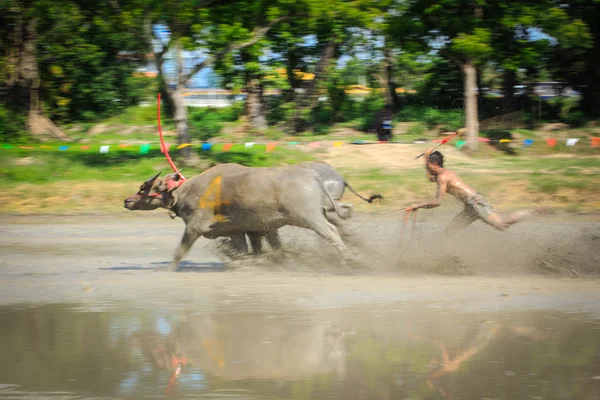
x=510 y=75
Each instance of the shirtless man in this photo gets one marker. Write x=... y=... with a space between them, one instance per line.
x=476 y=206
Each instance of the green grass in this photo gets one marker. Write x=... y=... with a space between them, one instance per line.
x=526 y=133
x=122 y=164
x=551 y=183
x=138 y=116
x=551 y=164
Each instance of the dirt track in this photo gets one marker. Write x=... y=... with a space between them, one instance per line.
x=84 y=314
x=110 y=258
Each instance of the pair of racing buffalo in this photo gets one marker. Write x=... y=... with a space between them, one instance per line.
x=230 y=200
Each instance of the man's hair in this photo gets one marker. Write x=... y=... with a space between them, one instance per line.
x=437 y=158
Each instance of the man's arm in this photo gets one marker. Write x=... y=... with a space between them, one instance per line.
x=441 y=190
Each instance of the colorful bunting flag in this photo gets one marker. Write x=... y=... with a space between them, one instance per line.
x=271 y=146
x=167 y=147
x=572 y=141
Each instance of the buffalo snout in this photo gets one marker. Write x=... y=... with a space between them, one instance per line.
x=130 y=203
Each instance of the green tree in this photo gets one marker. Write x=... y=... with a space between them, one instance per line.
x=561 y=40
x=20 y=70
x=576 y=56
x=208 y=25
x=332 y=25
x=457 y=29
x=66 y=53
x=87 y=52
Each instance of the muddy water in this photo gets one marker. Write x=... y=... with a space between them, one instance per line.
x=393 y=351
x=84 y=314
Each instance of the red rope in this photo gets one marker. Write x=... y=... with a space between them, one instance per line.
x=164 y=147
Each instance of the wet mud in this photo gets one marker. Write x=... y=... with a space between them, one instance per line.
x=85 y=312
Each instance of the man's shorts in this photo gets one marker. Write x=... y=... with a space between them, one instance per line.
x=479 y=207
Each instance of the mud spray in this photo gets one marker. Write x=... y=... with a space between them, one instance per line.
x=536 y=246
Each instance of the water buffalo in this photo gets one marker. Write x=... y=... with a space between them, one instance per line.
x=222 y=202
x=332 y=180
x=335 y=184
x=238 y=240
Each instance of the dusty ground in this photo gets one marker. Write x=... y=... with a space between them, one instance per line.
x=108 y=258
x=391 y=157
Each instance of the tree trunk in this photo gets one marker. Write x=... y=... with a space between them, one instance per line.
x=386 y=81
x=591 y=90
x=254 y=105
x=508 y=84
x=29 y=81
x=312 y=92
x=471 y=115
x=180 y=108
x=310 y=98
x=390 y=85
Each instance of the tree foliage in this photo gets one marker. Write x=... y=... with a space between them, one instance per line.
x=86 y=52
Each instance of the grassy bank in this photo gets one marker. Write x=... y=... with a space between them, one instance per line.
x=79 y=179
x=45 y=181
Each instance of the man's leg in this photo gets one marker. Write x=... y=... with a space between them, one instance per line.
x=463 y=219
x=502 y=223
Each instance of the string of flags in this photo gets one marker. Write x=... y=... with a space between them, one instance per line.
x=570 y=142
x=272 y=146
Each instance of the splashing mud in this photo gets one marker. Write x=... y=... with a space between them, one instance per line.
x=543 y=246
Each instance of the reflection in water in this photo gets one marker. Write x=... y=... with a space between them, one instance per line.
x=360 y=353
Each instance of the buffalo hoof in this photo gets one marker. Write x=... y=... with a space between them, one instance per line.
x=352 y=261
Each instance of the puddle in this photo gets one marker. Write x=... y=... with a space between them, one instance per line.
x=70 y=351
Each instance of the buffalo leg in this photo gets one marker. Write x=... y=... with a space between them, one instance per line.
x=188 y=239
x=273 y=240
x=255 y=241
x=239 y=243
x=348 y=208
x=330 y=233
x=326 y=230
